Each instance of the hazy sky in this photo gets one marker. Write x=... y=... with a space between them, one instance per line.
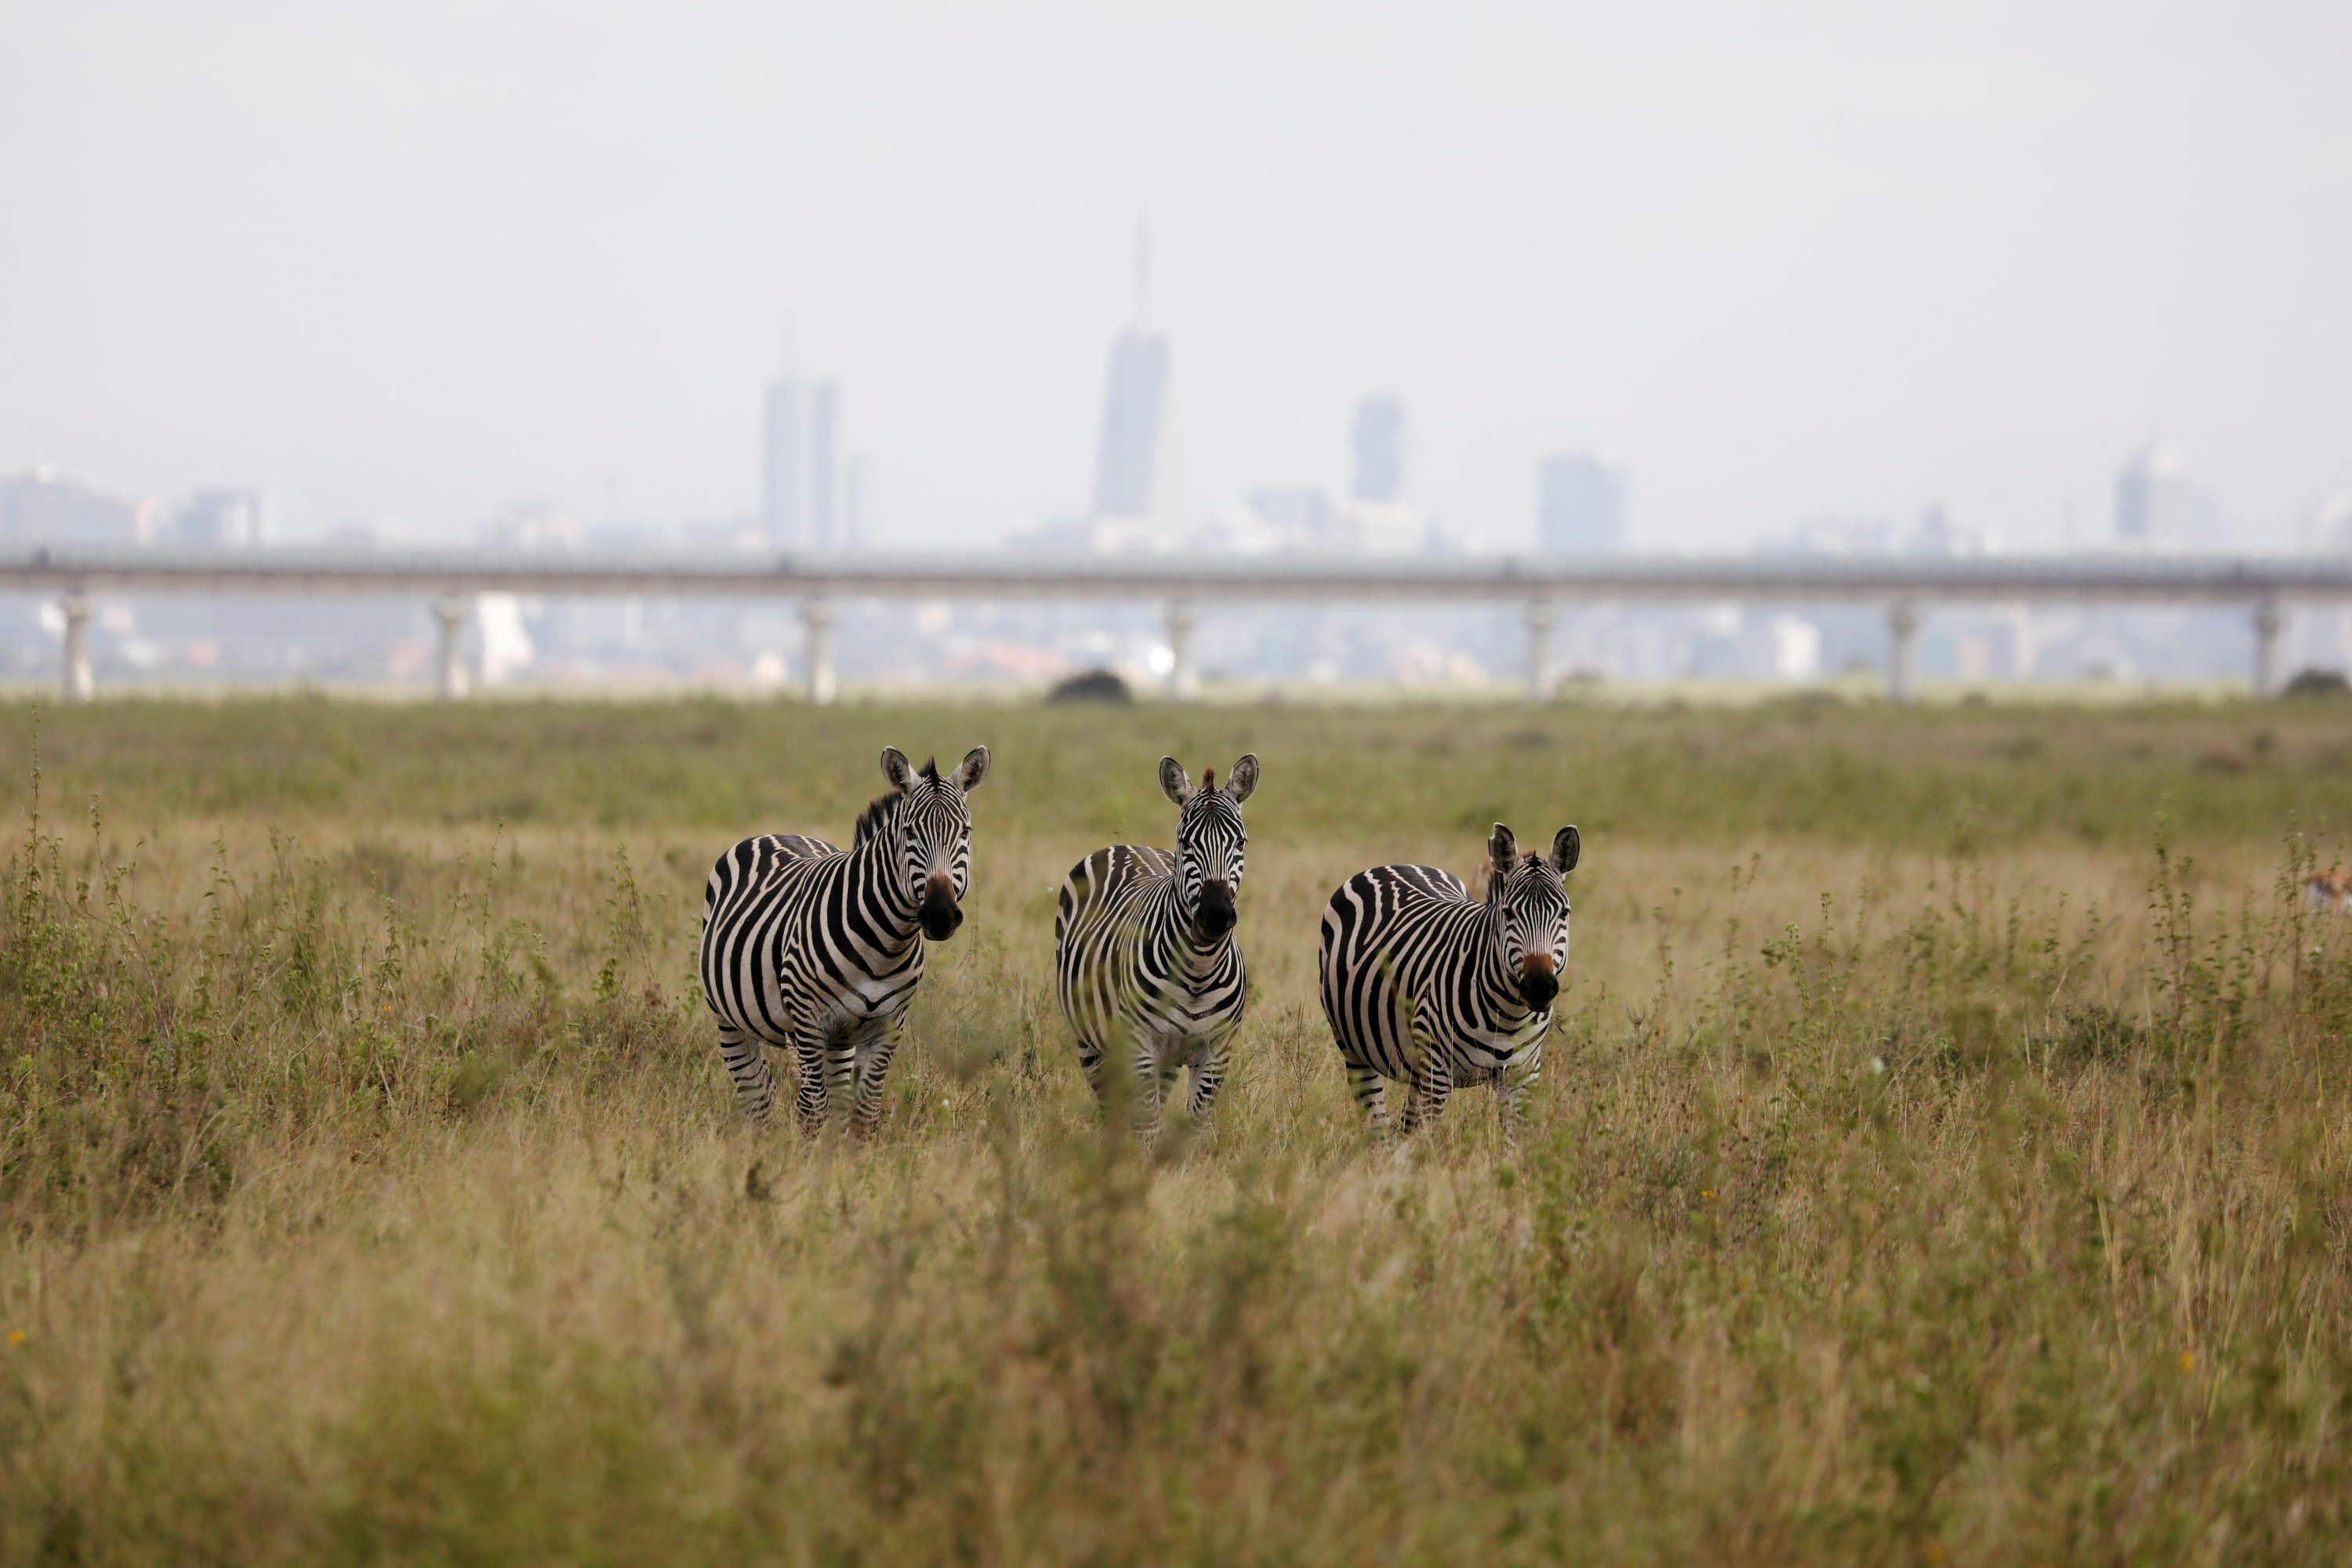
x=426 y=261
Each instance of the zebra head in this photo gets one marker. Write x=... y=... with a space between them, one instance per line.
x=933 y=828
x=1528 y=893
x=1211 y=842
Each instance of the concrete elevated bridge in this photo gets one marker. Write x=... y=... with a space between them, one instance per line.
x=2264 y=586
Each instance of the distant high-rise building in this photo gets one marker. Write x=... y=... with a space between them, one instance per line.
x=229 y=518
x=1378 y=438
x=45 y=507
x=801 y=500
x=1135 y=458
x=1580 y=505
x=2157 y=504
x=1130 y=476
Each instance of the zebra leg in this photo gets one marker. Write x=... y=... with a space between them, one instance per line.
x=809 y=1105
x=1433 y=1082
x=1208 y=1075
x=840 y=1054
x=1091 y=1062
x=1372 y=1092
x=1511 y=1090
x=747 y=1064
x=1147 y=1088
x=876 y=1044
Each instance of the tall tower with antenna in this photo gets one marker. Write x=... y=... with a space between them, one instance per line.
x=1135 y=458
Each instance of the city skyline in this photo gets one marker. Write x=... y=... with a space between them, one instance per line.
x=420 y=266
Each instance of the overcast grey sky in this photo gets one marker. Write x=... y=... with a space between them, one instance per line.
x=425 y=260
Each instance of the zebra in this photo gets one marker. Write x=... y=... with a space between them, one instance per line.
x=1426 y=985
x=1145 y=958
x=817 y=949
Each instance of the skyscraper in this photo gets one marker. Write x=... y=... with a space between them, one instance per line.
x=1580 y=505
x=1378 y=439
x=801 y=504
x=1134 y=458
x=1127 y=457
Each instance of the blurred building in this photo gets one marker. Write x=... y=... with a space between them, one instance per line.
x=1295 y=517
x=2158 y=506
x=45 y=507
x=533 y=528
x=1133 y=461
x=802 y=493
x=1378 y=517
x=1833 y=536
x=1943 y=532
x=1580 y=506
x=225 y=518
x=1138 y=504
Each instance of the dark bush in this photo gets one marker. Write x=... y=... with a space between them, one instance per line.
x=1092 y=686
x=2317 y=683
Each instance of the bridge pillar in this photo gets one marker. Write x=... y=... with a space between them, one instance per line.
x=816 y=618
x=449 y=612
x=81 y=686
x=1539 y=624
x=1183 y=683
x=2020 y=642
x=1903 y=631
x=2268 y=623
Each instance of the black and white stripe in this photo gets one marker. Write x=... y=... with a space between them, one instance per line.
x=817 y=949
x=1145 y=958
x=1424 y=984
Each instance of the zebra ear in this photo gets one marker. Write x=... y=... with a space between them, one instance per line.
x=974 y=769
x=1172 y=782
x=1567 y=846
x=898 y=769
x=1242 y=782
x=1503 y=849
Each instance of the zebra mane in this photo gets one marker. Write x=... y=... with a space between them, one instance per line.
x=880 y=811
x=878 y=815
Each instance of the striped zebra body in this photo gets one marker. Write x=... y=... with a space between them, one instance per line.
x=1427 y=986
x=816 y=950
x=1146 y=962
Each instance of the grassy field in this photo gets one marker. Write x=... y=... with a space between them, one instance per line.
x=1944 y=1153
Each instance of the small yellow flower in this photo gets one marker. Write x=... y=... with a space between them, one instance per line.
x=15 y=1336
x=2187 y=1360
x=1706 y=1192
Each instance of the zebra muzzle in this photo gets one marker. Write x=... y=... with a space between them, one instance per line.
x=1217 y=914
x=1537 y=984
x=939 y=912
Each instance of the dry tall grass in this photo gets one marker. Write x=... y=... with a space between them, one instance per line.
x=1933 y=1179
